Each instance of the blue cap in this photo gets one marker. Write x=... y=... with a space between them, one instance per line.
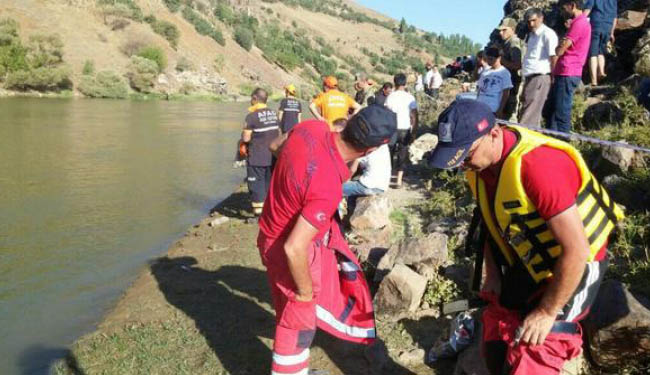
x=373 y=126
x=462 y=123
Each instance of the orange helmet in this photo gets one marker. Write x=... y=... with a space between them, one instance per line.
x=330 y=82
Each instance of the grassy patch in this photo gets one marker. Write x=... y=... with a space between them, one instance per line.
x=440 y=290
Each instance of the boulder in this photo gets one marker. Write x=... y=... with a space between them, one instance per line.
x=431 y=249
x=631 y=19
x=425 y=143
x=642 y=55
x=413 y=356
x=402 y=289
x=371 y=213
x=598 y=115
x=618 y=327
x=622 y=158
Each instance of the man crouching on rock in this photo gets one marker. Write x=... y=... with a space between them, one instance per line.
x=315 y=279
x=547 y=222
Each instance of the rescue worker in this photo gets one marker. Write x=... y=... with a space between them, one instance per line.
x=546 y=223
x=290 y=110
x=260 y=129
x=332 y=104
x=315 y=279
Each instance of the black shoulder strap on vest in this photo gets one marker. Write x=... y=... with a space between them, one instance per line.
x=474 y=245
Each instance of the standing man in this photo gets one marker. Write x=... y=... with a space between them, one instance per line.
x=428 y=77
x=315 y=279
x=511 y=60
x=403 y=104
x=495 y=84
x=436 y=82
x=364 y=88
x=332 y=104
x=290 y=111
x=260 y=129
x=547 y=222
x=572 y=55
x=603 y=16
x=380 y=98
x=539 y=62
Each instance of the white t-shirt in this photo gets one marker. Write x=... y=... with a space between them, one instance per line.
x=402 y=103
x=419 y=83
x=436 y=80
x=491 y=86
x=539 y=49
x=376 y=169
x=427 y=77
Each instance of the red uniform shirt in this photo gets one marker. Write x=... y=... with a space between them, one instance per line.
x=550 y=177
x=306 y=181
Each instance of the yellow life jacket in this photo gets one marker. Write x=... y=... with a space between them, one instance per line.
x=514 y=223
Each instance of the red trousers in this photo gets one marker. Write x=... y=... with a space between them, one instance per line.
x=342 y=305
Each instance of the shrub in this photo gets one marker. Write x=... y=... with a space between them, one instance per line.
x=167 y=30
x=224 y=12
x=156 y=55
x=89 y=68
x=244 y=38
x=173 y=5
x=202 y=26
x=120 y=8
x=13 y=57
x=141 y=73
x=44 y=50
x=119 y=24
x=8 y=31
x=184 y=64
x=105 y=84
x=132 y=47
x=41 y=79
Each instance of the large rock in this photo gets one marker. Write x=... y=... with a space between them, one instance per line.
x=421 y=146
x=605 y=113
x=371 y=213
x=642 y=55
x=431 y=249
x=402 y=289
x=622 y=158
x=631 y=20
x=618 y=327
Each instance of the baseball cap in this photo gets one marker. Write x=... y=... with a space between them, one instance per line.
x=373 y=126
x=331 y=82
x=462 y=123
x=507 y=22
x=291 y=88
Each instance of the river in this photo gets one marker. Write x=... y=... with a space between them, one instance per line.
x=90 y=190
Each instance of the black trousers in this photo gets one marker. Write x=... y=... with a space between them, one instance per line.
x=400 y=149
x=259 y=180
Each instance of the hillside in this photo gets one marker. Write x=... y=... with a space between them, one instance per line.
x=283 y=41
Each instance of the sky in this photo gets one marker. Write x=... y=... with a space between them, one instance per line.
x=474 y=18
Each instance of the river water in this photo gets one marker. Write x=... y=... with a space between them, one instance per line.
x=89 y=191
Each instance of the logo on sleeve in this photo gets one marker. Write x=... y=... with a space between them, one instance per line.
x=320 y=216
x=482 y=125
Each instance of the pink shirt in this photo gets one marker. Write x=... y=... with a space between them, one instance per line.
x=571 y=63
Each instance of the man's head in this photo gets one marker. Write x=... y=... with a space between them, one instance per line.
x=534 y=18
x=372 y=127
x=399 y=80
x=428 y=65
x=467 y=137
x=259 y=95
x=290 y=89
x=435 y=68
x=387 y=88
x=571 y=8
x=330 y=82
x=507 y=28
x=493 y=56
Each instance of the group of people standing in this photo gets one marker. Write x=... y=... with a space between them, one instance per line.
x=536 y=78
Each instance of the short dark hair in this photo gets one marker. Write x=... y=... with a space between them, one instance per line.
x=260 y=95
x=399 y=79
x=578 y=3
x=533 y=12
x=387 y=85
x=480 y=54
x=352 y=137
x=493 y=52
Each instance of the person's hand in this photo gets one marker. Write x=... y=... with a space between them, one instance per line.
x=304 y=296
x=536 y=327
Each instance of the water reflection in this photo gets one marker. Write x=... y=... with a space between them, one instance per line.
x=90 y=190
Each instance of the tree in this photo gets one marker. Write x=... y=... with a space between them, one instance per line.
x=402 y=26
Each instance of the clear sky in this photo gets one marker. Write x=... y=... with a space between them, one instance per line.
x=474 y=18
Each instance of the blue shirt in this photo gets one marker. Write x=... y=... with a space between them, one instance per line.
x=603 y=12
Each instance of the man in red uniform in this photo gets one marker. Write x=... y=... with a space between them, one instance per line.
x=547 y=220
x=315 y=279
